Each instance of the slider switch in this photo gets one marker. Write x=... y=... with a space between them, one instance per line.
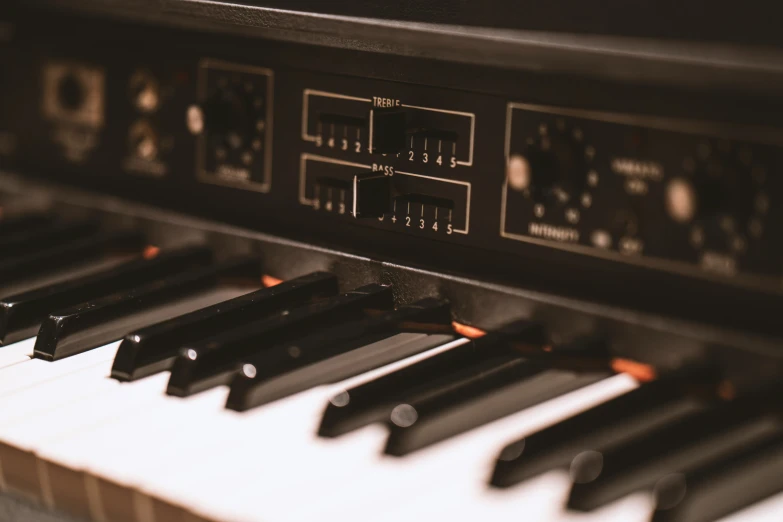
x=371 y=195
x=390 y=128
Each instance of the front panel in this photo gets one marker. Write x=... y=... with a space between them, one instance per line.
x=647 y=197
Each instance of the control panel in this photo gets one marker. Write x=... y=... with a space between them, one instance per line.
x=512 y=175
x=407 y=166
x=233 y=124
x=648 y=191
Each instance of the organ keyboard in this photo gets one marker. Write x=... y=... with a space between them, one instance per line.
x=171 y=385
x=391 y=316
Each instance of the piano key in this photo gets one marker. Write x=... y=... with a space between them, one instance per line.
x=180 y=431
x=127 y=451
x=476 y=489
x=62 y=456
x=22 y=314
x=338 y=468
x=24 y=223
x=28 y=402
x=767 y=510
x=34 y=371
x=632 y=508
x=374 y=401
x=170 y=428
x=92 y=404
x=289 y=427
x=28 y=241
x=331 y=355
x=154 y=348
x=212 y=361
x=67 y=332
x=614 y=470
x=539 y=499
x=18 y=352
x=89 y=265
x=22 y=352
x=42 y=413
x=42 y=391
x=723 y=486
x=456 y=466
x=669 y=398
x=56 y=258
x=466 y=403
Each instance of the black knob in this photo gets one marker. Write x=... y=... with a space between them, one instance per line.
x=70 y=92
x=558 y=167
x=229 y=117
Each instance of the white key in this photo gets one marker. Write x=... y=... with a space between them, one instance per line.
x=460 y=466
x=118 y=440
x=116 y=448
x=539 y=498
x=108 y=404
x=35 y=371
x=90 y=397
x=28 y=412
x=769 y=510
x=108 y=401
x=17 y=352
x=277 y=434
x=31 y=433
x=154 y=422
x=33 y=401
x=234 y=503
x=206 y=423
x=154 y=427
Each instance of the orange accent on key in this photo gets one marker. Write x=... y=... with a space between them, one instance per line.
x=639 y=371
x=471 y=332
x=726 y=390
x=269 y=281
x=150 y=251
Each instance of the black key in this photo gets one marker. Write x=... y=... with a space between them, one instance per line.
x=670 y=398
x=587 y=353
x=24 y=223
x=332 y=355
x=55 y=258
x=374 y=401
x=95 y=323
x=21 y=314
x=466 y=401
x=153 y=349
x=721 y=487
x=212 y=361
x=608 y=473
x=28 y=241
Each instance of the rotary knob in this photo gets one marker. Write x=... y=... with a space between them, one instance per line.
x=724 y=189
x=720 y=187
x=553 y=167
x=721 y=196
x=229 y=117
